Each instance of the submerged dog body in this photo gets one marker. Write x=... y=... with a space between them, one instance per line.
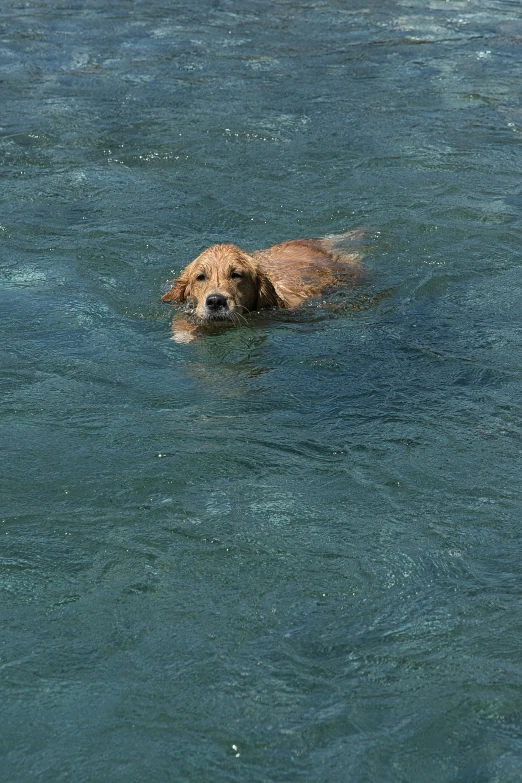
x=225 y=282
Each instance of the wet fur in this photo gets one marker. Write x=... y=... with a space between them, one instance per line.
x=280 y=276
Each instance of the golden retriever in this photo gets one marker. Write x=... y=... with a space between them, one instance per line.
x=224 y=282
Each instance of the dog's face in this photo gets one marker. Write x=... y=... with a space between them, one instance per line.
x=223 y=282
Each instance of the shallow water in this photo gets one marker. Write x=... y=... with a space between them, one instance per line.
x=289 y=551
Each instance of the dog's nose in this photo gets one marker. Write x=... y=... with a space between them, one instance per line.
x=216 y=302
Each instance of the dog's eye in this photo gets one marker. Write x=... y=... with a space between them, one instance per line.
x=201 y=277
x=236 y=275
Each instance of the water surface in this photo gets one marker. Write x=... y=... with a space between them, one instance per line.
x=289 y=551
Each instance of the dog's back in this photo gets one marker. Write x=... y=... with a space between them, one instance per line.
x=303 y=268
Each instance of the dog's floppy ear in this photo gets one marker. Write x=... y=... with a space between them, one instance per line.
x=179 y=291
x=267 y=296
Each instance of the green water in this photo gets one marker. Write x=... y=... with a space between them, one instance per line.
x=289 y=551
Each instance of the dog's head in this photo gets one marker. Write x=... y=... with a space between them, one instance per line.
x=224 y=281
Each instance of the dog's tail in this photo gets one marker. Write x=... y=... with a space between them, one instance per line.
x=334 y=242
x=345 y=248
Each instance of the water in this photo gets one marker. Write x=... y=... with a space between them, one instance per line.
x=289 y=551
